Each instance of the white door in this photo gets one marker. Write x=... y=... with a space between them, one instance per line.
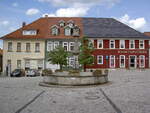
x=122 y=61
x=112 y=61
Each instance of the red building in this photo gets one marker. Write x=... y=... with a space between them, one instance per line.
x=116 y=44
x=116 y=53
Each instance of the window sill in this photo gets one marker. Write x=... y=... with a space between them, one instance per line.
x=37 y=51
x=9 y=51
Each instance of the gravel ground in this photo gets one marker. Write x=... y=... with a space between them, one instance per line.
x=127 y=92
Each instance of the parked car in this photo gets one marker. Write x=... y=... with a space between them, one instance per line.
x=18 y=73
x=32 y=73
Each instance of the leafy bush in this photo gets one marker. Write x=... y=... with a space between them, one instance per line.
x=58 y=70
x=74 y=71
x=97 y=73
x=46 y=72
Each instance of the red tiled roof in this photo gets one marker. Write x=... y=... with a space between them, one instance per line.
x=43 y=27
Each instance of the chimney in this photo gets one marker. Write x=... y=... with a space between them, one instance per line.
x=46 y=15
x=23 y=24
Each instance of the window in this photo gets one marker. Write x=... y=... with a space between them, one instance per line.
x=9 y=46
x=18 y=47
x=9 y=62
x=61 y=23
x=28 y=47
x=68 y=31
x=112 y=44
x=65 y=45
x=40 y=64
x=37 y=47
x=141 y=61
x=29 y=32
x=71 y=61
x=27 y=64
x=141 y=44
x=49 y=46
x=55 y=30
x=100 y=59
x=112 y=61
x=100 y=44
x=122 y=44
x=19 y=64
x=71 y=46
x=132 y=44
x=56 y=44
x=90 y=42
x=76 y=31
x=122 y=61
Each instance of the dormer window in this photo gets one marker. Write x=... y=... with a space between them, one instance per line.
x=67 y=31
x=29 y=32
x=55 y=30
x=61 y=23
x=70 y=23
x=76 y=31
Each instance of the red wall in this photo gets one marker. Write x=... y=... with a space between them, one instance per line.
x=107 y=52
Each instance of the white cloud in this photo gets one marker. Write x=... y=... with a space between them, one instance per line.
x=75 y=8
x=4 y=23
x=69 y=3
x=15 y=4
x=69 y=12
x=32 y=11
x=138 y=23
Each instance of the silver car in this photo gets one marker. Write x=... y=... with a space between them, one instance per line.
x=32 y=73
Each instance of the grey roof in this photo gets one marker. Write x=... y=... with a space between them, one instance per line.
x=108 y=28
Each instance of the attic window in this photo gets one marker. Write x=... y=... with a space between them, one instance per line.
x=76 y=31
x=67 y=31
x=70 y=23
x=29 y=32
x=61 y=23
x=55 y=30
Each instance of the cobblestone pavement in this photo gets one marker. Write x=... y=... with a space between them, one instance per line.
x=127 y=92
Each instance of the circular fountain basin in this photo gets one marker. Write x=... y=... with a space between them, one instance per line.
x=84 y=78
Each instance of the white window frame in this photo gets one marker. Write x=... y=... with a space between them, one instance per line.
x=122 y=42
x=131 y=43
x=10 y=47
x=56 y=44
x=29 y=32
x=98 y=57
x=98 y=42
x=37 y=47
x=141 y=66
x=143 y=42
x=110 y=61
x=19 y=64
x=90 y=41
x=66 y=45
x=54 y=30
x=120 y=61
x=110 y=44
x=48 y=46
x=67 y=31
x=71 y=44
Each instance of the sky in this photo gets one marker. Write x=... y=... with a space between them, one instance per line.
x=134 y=13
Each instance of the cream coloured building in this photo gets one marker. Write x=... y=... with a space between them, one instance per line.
x=23 y=54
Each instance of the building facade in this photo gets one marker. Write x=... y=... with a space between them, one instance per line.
x=116 y=44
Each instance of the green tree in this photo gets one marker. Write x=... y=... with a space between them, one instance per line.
x=58 y=56
x=85 y=56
